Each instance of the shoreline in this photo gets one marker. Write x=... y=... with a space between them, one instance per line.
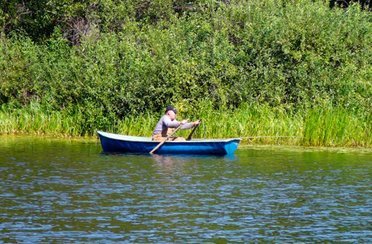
x=244 y=145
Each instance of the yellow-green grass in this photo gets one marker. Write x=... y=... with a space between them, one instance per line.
x=328 y=127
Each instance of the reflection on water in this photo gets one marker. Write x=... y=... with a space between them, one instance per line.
x=58 y=191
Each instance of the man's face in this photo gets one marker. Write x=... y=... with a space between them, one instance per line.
x=171 y=115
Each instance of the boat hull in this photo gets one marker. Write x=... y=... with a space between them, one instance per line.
x=112 y=143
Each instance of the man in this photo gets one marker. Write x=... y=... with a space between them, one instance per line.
x=167 y=122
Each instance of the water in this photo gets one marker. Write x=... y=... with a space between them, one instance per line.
x=63 y=191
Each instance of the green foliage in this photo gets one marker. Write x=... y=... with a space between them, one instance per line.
x=106 y=63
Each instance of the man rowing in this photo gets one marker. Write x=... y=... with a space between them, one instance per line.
x=168 y=123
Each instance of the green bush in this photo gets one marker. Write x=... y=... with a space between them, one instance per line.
x=135 y=58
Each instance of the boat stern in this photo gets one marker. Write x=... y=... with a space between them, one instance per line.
x=231 y=146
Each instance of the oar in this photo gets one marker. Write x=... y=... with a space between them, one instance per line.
x=193 y=130
x=161 y=143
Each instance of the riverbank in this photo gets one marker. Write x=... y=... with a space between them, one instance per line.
x=12 y=139
x=256 y=125
x=297 y=73
x=341 y=150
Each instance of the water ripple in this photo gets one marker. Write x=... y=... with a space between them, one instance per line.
x=77 y=194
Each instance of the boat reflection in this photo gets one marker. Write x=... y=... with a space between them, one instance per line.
x=178 y=158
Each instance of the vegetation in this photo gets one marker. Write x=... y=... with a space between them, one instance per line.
x=248 y=68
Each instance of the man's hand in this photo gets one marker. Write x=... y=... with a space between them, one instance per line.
x=196 y=122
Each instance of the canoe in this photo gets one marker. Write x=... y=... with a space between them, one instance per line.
x=135 y=144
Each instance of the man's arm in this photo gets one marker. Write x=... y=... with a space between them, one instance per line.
x=187 y=126
x=171 y=124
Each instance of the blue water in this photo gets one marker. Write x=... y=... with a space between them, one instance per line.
x=67 y=191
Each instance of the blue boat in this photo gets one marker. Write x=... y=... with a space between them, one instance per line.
x=115 y=143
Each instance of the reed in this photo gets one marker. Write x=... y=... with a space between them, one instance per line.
x=336 y=127
x=34 y=121
x=255 y=124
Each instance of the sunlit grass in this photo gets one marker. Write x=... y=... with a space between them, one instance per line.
x=334 y=127
x=32 y=120
x=254 y=124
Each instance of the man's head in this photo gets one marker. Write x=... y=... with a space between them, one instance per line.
x=171 y=112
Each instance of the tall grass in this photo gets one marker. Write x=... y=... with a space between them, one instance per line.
x=335 y=127
x=35 y=121
x=254 y=124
